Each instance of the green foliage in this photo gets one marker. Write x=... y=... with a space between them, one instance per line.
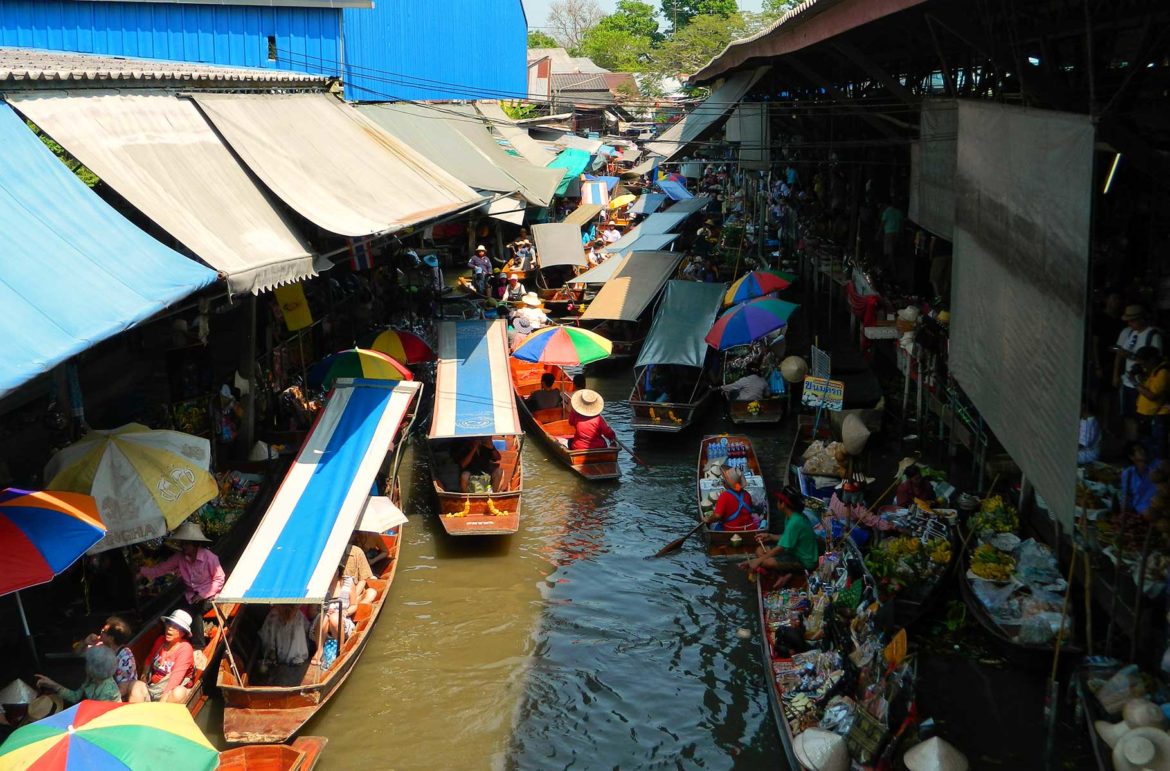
x=74 y=165
x=778 y=7
x=519 y=111
x=704 y=37
x=634 y=17
x=683 y=12
x=538 y=39
x=614 y=49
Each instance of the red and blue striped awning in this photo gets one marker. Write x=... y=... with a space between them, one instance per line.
x=473 y=383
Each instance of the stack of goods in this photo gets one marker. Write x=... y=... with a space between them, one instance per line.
x=908 y=565
x=236 y=493
x=823 y=459
x=1018 y=583
x=832 y=675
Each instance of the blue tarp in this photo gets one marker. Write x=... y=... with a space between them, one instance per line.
x=648 y=203
x=610 y=182
x=74 y=271
x=573 y=161
x=676 y=190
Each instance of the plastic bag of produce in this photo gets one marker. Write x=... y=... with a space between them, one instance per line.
x=1035 y=564
x=1125 y=685
x=1038 y=628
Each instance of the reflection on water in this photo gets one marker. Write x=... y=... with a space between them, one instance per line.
x=563 y=646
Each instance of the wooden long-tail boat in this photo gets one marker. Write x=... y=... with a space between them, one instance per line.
x=474 y=401
x=769 y=409
x=323 y=505
x=714 y=451
x=552 y=425
x=301 y=755
x=672 y=384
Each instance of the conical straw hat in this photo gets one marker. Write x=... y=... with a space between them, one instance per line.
x=935 y=755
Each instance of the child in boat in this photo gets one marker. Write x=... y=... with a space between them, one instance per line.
x=733 y=510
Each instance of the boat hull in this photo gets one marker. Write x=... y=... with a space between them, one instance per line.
x=301 y=755
x=770 y=410
x=735 y=543
x=667 y=417
x=496 y=513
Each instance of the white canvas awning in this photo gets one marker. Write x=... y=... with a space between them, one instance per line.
x=636 y=282
x=714 y=108
x=160 y=154
x=558 y=243
x=332 y=165
x=508 y=209
x=663 y=222
x=517 y=136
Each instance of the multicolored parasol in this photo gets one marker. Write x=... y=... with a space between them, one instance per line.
x=145 y=482
x=41 y=534
x=356 y=363
x=749 y=321
x=563 y=346
x=405 y=347
x=105 y=734
x=757 y=284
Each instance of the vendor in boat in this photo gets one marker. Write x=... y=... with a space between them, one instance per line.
x=531 y=311
x=590 y=431
x=99 y=685
x=1137 y=484
x=170 y=664
x=749 y=388
x=514 y=291
x=478 y=456
x=733 y=510
x=915 y=486
x=548 y=396
x=200 y=571
x=796 y=549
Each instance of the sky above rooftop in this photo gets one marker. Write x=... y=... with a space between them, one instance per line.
x=537 y=10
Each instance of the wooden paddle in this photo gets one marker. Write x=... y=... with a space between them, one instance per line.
x=633 y=455
x=677 y=542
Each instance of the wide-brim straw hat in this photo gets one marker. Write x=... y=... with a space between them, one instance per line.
x=189 y=531
x=821 y=750
x=43 y=706
x=588 y=402
x=532 y=300
x=481 y=248
x=935 y=755
x=1142 y=749
x=1133 y=312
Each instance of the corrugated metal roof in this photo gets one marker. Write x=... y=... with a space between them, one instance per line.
x=36 y=67
x=562 y=63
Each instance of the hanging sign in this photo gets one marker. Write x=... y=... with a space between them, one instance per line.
x=294 y=307
x=821 y=392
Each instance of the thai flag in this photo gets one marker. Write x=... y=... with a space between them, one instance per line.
x=361 y=256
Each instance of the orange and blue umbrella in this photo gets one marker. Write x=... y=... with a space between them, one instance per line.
x=43 y=533
x=757 y=283
x=405 y=347
x=110 y=734
x=749 y=321
x=563 y=346
x=356 y=363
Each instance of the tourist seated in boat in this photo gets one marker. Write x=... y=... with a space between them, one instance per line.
x=749 y=388
x=524 y=256
x=914 y=486
x=656 y=384
x=478 y=458
x=596 y=254
x=733 y=509
x=590 y=431
x=579 y=384
x=170 y=664
x=611 y=234
x=284 y=637
x=115 y=634
x=548 y=396
x=796 y=548
x=532 y=310
x=514 y=291
x=99 y=685
x=335 y=621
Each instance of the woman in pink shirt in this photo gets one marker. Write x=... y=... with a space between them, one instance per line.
x=170 y=667
x=200 y=572
x=590 y=431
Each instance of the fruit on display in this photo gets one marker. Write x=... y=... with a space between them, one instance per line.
x=991 y=564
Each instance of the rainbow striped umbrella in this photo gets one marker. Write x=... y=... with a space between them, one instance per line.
x=110 y=734
x=749 y=321
x=757 y=283
x=41 y=534
x=356 y=363
x=563 y=346
x=405 y=347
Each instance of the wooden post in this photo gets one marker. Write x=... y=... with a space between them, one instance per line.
x=248 y=430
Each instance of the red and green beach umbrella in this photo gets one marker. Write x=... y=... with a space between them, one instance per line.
x=749 y=321
x=405 y=347
x=356 y=363
x=110 y=734
x=563 y=347
x=43 y=533
x=757 y=283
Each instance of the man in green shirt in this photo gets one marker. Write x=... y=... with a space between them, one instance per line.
x=796 y=549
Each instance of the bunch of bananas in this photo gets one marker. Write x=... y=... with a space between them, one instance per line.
x=991 y=564
x=902 y=546
x=995 y=516
x=940 y=553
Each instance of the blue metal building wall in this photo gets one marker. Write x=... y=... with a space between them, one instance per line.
x=307 y=39
x=436 y=49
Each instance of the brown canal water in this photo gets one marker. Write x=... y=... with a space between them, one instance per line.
x=564 y=646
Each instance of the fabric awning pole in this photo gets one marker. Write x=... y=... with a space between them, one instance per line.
x=249 y=374
x=27 y=634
